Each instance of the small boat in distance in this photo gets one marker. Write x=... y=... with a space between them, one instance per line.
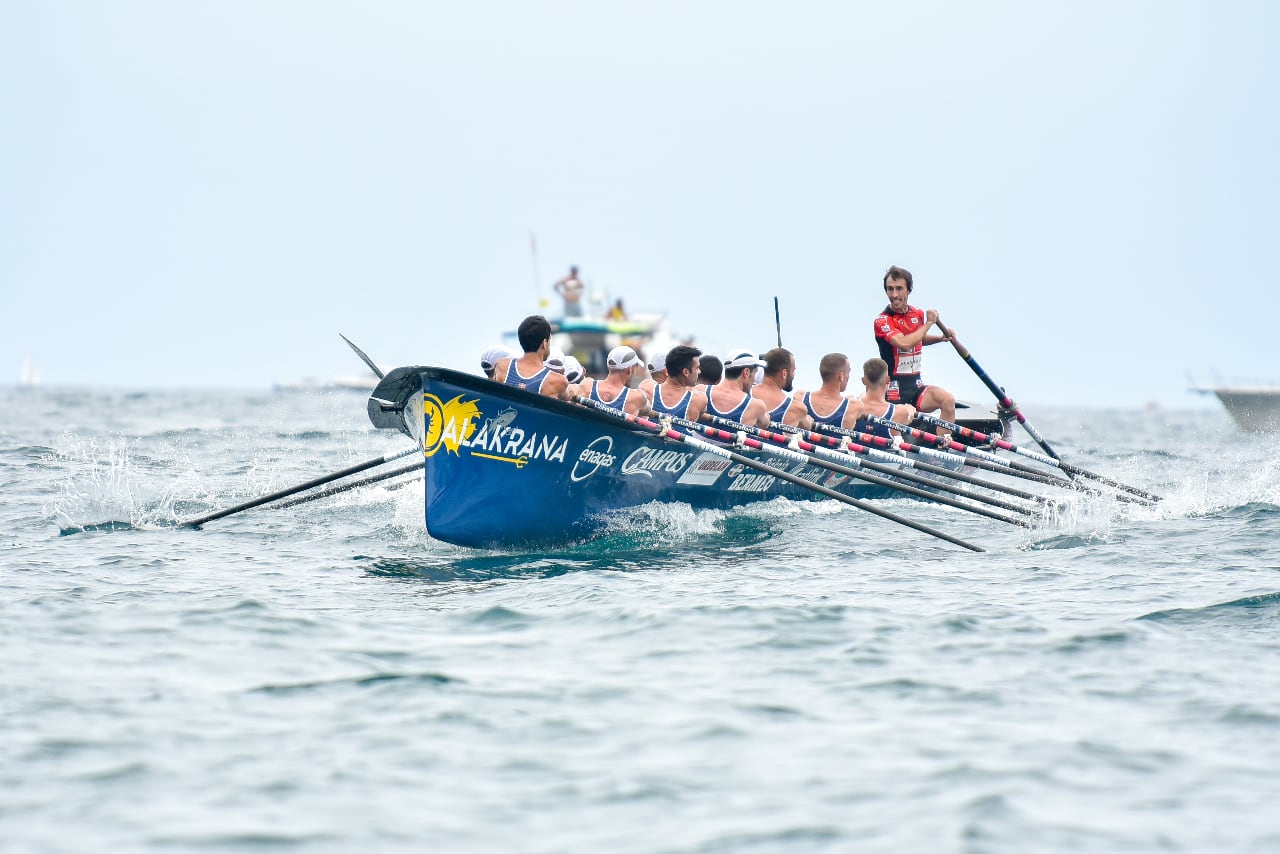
x=1254 y=408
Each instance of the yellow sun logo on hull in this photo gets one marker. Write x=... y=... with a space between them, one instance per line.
x=447 y=424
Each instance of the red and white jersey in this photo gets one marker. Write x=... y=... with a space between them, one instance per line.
x=902 y=363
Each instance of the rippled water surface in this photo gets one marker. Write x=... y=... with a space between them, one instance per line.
x=794 y=677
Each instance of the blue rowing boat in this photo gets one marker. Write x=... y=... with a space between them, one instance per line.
x=505 y=467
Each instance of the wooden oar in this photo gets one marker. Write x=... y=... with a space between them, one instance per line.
x=970 y=433
x=672 y=433
x=293 y=490
x=1000 y=395
x=889 y=463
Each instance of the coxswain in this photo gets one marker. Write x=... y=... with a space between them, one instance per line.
x=731 y=397
x=902 y=334
x=570 y=288
x=678 y=395
x=530 y=372
x=777 y=390
x=829 y=404
x=875 y=379
x=614 y=390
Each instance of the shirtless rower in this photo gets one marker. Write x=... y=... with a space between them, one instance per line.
x=829 y=404
x=614 y=390
x=781 y=401
x=679 y=395
x=901 y=334
x=529 y=371
x=875 y=378
x=731 y=397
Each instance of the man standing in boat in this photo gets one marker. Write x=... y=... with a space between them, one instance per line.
x=828 y=404
x=614 y=390
x=777 y=392
x=902 y=333
x=678 y=394
x=570 y=287
x=731 y=397
x=529 y=371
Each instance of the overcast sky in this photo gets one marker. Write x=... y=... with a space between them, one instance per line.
x=207 y=193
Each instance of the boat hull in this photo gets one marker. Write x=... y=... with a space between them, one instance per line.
x=1254 y=410
x=507 y=468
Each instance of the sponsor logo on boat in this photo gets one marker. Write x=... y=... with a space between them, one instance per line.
x=706 y=470
x=740 y=481
x=645 y=461
x=598 y=453
x=447 y=425
x=498 y=440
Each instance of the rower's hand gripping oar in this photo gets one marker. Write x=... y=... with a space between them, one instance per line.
x=1004 y=399
x=700 y=444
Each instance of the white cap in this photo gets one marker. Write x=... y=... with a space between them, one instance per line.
x=555 y=361
x=573 y=371
x=657 y=362
x=622 y=357
x=742 y=359
x=490 y=358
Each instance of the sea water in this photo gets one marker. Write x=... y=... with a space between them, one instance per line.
x=792 y=677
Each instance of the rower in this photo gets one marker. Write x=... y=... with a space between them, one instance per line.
x=570 y=368
x=829 y=404
x=731 y=397
x=781 y=401
x=875 y=378
x=614 y=391
x=529 y=371
x=657 y=367
x=710 y=370
x=490 y=358
x=678 y=396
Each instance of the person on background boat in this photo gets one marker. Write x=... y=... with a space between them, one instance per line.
x=678 y=394
x=902 y=334
x=614 y=390
x=490 y=358
x=828 y=404
x=570 y=288
x=875 y=379
x=731 y=397
x=529 y=371
x=657 y=366
x=617 y=312
x=710 y=370
x=777 y=393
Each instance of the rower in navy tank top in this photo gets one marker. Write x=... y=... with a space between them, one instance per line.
x=681 y=408
x=863 y=425
x=734 y=414
x=617 y=403
x=533 y=383
x=779 y=412
x=834 y=419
